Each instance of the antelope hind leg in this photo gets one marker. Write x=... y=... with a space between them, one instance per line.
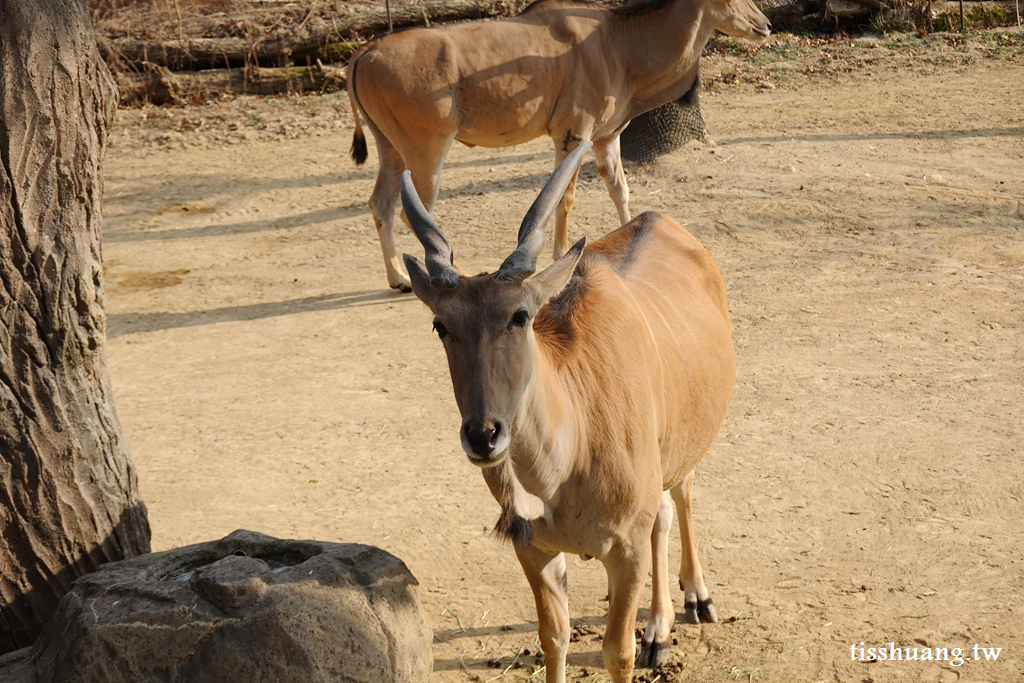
x=699 y=608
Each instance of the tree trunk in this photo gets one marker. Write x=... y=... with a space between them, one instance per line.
x=69 y=497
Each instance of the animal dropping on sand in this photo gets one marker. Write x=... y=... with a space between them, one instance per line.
x=588 y=393
x=574 y=71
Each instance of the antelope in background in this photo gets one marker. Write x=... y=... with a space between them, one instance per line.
x=575 y=71
x=588 y=394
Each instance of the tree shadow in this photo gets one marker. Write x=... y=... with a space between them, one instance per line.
x=919 y=135
x=226 y=184
x=326 y=215
x=482 y=187
x=121 y=324
x=244 y=227
x=589 y=658
x=505 y=159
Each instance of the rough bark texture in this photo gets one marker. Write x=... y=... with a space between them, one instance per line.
x=68 y=490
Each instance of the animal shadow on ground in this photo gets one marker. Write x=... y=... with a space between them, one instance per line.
x=591 y=628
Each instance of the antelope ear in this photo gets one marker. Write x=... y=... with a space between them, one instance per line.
x=546 y=284
x=420 y=280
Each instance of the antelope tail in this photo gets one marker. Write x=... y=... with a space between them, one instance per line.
x=358 y=150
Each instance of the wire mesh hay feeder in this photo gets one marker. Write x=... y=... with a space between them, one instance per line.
x=663 y=130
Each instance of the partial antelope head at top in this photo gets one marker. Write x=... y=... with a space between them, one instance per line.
x=572 y=70
x=738 y=19
x=485 y=321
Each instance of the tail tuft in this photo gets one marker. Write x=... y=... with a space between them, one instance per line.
x=358 y=150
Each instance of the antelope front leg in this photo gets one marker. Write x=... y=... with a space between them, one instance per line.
x=698 y=604
x=627 y=569
x=546 y=574
x=609 y=164
x=654 y=648
x=561 y=238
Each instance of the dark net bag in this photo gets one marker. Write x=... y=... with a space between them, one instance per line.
x=663 y=130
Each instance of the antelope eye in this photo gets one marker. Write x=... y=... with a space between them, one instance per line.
x=519 y=319
x=441 y=330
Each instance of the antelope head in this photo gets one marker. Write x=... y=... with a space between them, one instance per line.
x=486 y=322
x=738 y=19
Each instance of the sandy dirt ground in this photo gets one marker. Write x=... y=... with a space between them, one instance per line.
x=867 y=484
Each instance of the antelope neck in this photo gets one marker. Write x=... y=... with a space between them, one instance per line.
x=545 y=434
x=681 y=26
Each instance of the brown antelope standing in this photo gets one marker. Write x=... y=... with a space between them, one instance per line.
x=588 y=394
x=572 y=70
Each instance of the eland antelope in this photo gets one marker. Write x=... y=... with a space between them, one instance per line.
x=569 y=69
x=588 y=394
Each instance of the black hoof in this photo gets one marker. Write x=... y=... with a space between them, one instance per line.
x=405 y=289
x=706 y=611
x=652 y=654
x=700 y=612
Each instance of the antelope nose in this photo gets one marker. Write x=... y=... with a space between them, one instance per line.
x=482 y=438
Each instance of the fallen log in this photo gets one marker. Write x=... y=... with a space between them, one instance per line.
x=850 y=9
x=160 y=85
x=805 y=14
x=317 y=37
x=810 y=15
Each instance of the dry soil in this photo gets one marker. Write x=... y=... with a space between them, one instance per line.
x=866 y=208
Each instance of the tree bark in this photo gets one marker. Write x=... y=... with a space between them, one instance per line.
x=69 y=497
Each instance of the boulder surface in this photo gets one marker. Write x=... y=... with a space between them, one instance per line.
x=245 y=608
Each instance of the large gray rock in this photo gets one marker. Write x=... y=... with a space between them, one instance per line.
x=248 y=608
